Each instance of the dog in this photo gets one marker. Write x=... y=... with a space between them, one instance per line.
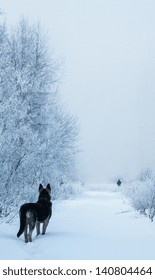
x=33 y=214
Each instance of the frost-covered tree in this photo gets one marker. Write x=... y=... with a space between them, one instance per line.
x=142 y=193
x=37 y=138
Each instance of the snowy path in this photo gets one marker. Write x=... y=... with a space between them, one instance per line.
x=97 y=225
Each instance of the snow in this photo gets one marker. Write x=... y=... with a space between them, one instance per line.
x=98 y=224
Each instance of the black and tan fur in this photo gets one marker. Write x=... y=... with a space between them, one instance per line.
x=33 y=214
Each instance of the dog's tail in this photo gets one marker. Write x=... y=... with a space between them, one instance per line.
x=22 y=214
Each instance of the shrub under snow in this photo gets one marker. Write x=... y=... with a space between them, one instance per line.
x=142 y=194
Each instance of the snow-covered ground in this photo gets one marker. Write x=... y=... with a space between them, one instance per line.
x=99 y=224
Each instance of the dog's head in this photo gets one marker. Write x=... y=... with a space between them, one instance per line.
x=44 y=192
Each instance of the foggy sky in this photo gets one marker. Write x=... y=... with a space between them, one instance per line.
x=108 y=53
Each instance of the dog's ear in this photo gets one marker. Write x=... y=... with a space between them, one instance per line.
x=48 y=187
x=40 y=187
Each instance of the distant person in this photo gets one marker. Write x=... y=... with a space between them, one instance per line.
x=119 y=182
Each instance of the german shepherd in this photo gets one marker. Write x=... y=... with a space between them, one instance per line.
x=32 y=214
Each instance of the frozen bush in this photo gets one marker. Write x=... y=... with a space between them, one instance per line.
x=142 y=194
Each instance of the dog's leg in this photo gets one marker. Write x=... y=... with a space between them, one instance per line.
x=31 y=228
x=25 y=233
x=45 y=224
x=30 y=233
x=38 y=227
x=30 y=224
